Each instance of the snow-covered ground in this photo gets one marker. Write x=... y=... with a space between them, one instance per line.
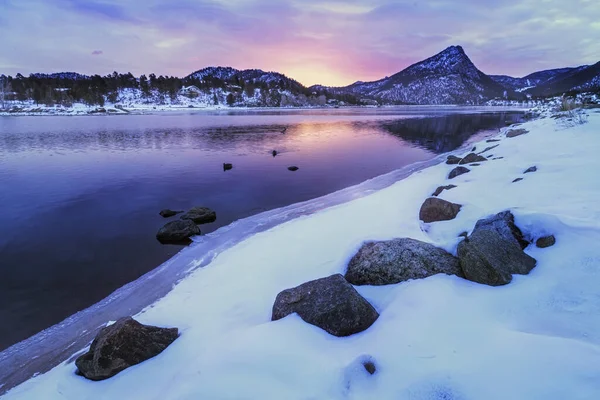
x=437 y=338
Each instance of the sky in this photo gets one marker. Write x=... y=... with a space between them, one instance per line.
x=330 y=42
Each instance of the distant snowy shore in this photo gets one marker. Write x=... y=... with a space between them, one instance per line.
x=438 y=337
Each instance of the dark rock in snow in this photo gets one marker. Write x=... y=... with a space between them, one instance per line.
x=497 y=158
x=471 y=158
x=166 y=213
x=463 y=234
x=200 y=215
x=517 y=180
x=488 y=149
x=370 y=367
x=293 y=168
x=474 y=148
x=121 y=345
x=227 y=166
x=398 y=260
x=177 y=232
x=530 y=169
x=516 y=132
x=330 y=303
x=452 y=160
x=545 y=241
x=494 y=251
x=474 y=165
x=492 y=140
x=440 y=189
x=434 y=209
x=458 y=171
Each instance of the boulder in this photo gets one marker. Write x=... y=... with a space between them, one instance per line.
x=545 y=241
x=178 y=232
x=471 y=158
x=452 y=160
x=330 y=303
x=511 y=133
x=440 y=189
x=227 y=166
x=458 y=171
x=434 y=209
x=293 y=168
x=398 y=260
x=530 y=169
x=200 y=215
x=494 y=251
x=121 y=345
x=166 y=213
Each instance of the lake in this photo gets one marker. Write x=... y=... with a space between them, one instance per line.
x=80 y=195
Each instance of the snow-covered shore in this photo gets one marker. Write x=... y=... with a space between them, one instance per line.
x=436 y=338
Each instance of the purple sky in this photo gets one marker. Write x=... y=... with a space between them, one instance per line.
x=330 y=42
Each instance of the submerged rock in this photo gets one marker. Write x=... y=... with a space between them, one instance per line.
x=293 y=168
x=516 y=132
x=457 y=172
x=545 y=241
x=330 y=303
x=166 y=213
x=440 y=189
x=452 y=160
x=177 y=232
x=121 y=345
x=471 y=158
x=200 y=215
x=494 y=251
x=434 y=209
x=398 y=260
x=530 y=169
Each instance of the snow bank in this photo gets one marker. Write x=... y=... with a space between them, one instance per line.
x=437 y=338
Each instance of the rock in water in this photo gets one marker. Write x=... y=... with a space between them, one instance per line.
x=166 y=213
x=452 y=160
x=440 y=189
x=227 y=166
x=330 y=303
x=471 y=158
x=398 y=260
x=200 y=215
x=434 y=209
x=545 y=241
x=494 y=251
x=177 y=232
x=516 y=132
x=274 y=153
x=121 y=345
x=458 y=171
x=530 y=169
x=293 y=168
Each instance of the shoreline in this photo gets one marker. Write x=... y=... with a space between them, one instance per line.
x=78 y=330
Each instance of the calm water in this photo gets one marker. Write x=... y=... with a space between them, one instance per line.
x=80 y=195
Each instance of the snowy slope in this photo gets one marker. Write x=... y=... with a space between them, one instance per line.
x=437 y=338
x=534 y=79
x=448 y=77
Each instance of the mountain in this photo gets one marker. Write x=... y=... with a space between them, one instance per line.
x=248 y=75
x=534 y=79
x=448 y=77
x=584 y=78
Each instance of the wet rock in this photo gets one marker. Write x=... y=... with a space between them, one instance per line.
x=494 y=251
x=398 y=260
x=452 y=160
x=440 y=189
x=472 y=158
x=511 y=133
x=517 y=180
x=200 y=215
x=435 y=209
x=457 y=172
x=545 y=241
x=227 y=166
x=177 y=232
x=530 y=169
x=166 y=213
x=293 y=168
x=121 y=345
x=330 y=303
